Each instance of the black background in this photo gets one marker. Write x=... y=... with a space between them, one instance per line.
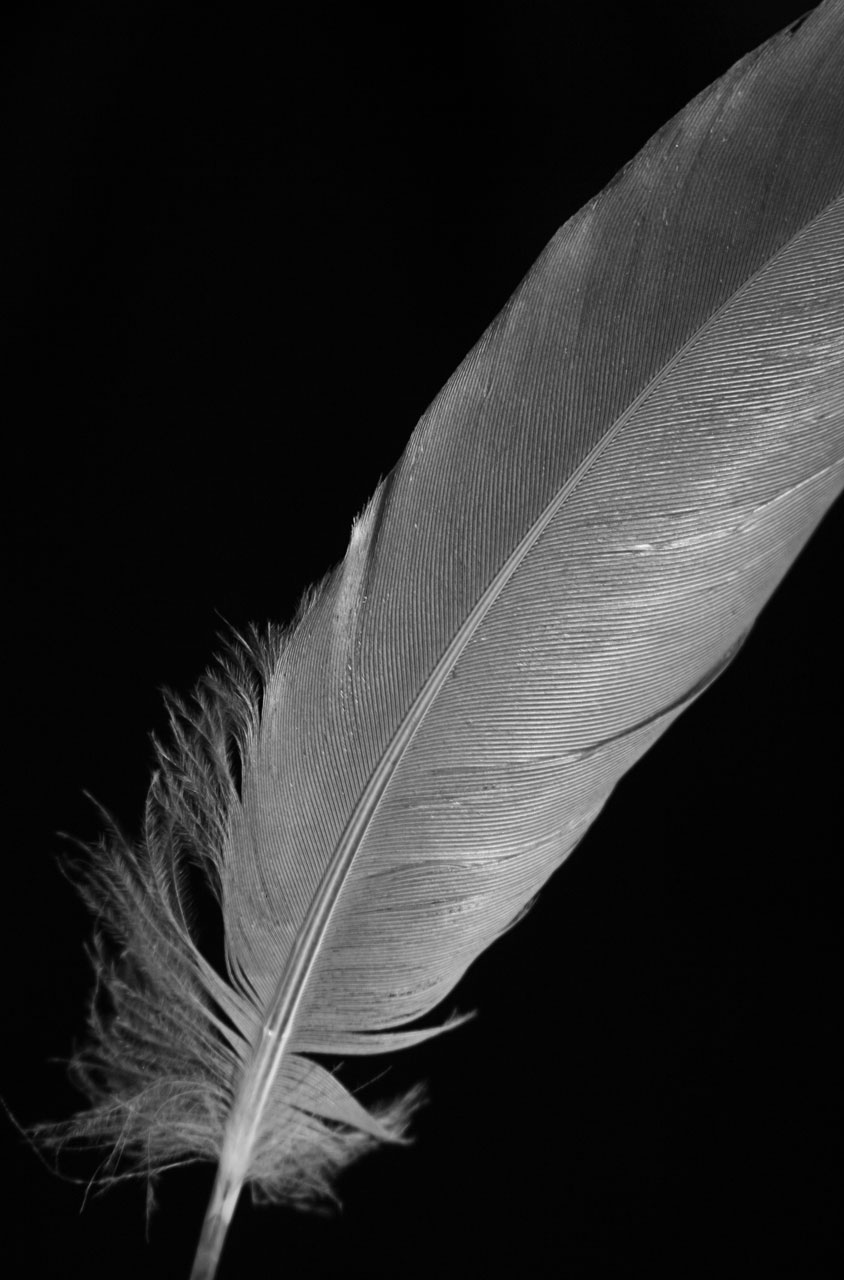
x=242 y=254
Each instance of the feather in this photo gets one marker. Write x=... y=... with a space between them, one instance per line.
x=579 y=536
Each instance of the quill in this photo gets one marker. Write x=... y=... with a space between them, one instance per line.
x=584 y=526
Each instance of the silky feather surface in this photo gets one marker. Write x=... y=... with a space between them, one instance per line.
x=581 y=531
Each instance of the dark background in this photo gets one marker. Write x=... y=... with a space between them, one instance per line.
x=242 y=254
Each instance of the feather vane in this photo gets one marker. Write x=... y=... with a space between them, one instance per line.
x=580 y=534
